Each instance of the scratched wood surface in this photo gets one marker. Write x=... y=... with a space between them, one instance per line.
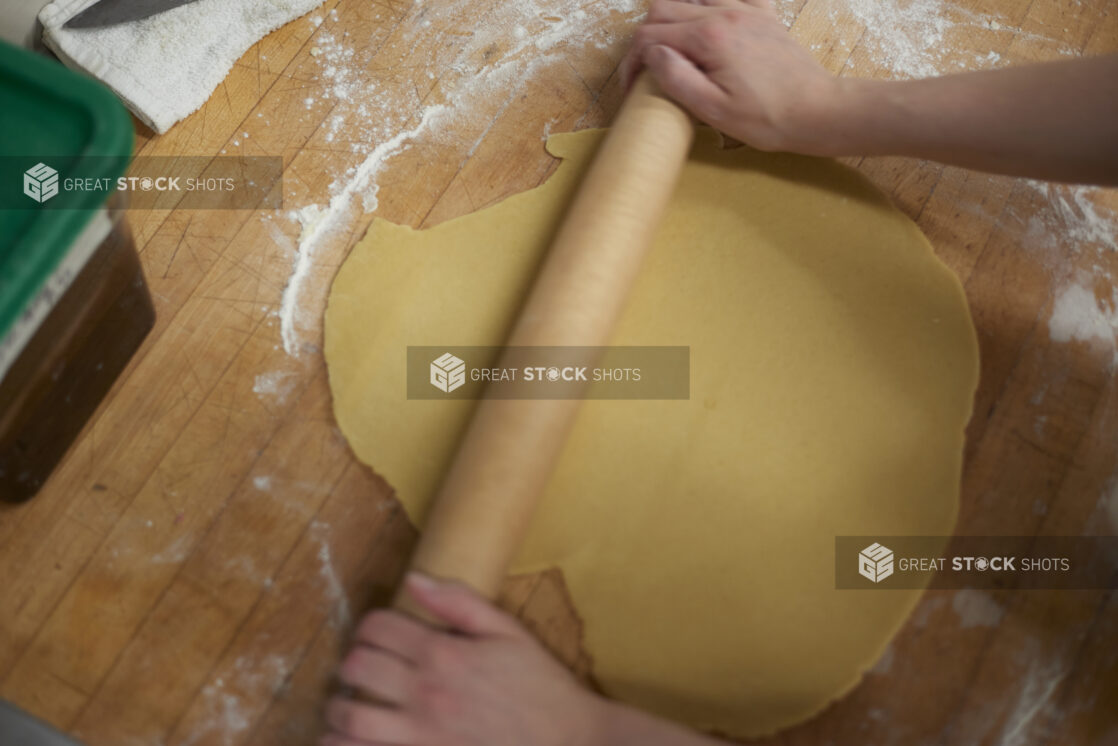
x=191 y=571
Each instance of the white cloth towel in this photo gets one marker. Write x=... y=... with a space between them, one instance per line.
x=166 y=66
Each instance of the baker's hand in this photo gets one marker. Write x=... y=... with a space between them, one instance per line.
x=734 y=65
x=489 y=683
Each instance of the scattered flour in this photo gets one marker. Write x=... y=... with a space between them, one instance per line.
x=1040 y=683
x=244 y=567
x=225 y=718
x=231 y=704
x=275 y=385
x=547 y=128
x=919 y=39
x=175 y=552
x=1076 y=216
x=905 y=38
x=262 y=483
x=1085 y=308
x=335 y=593
x=1079 y=314
x=1108 y=507
x=317 y=222
x=928 y=607
x=885 y=663
x=504 y=52
x=976 y=609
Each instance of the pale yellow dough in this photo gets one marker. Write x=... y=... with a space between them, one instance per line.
x=833 y=363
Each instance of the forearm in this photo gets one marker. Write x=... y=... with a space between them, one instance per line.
x=625 y=726
x=1055 y=121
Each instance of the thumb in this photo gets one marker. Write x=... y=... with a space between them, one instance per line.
x=460 y=607
x=683 y=81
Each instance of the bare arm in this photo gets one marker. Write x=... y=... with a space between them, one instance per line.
x=734 y=65
x=1055 y=121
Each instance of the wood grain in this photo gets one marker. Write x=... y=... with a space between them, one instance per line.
x=191 y=571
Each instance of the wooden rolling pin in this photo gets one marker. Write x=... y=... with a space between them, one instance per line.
x=482 y=511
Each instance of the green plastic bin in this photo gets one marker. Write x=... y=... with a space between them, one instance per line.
x=74 y=305
x=49 y=112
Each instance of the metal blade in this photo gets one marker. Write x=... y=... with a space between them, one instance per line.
x=112 y=12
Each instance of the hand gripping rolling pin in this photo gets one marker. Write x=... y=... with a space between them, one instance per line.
x=483 y=508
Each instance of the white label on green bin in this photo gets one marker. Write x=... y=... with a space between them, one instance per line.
x=28 y=322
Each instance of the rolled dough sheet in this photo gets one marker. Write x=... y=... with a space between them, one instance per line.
x=833 y=363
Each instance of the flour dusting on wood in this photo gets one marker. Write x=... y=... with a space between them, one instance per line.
x=1108 y=503
x=175 y=552
x=1080 y=314
x=924 y=38
x=317 y=222
x=232 y=704
x=275 y=385
x=1034 y=701
x=336 y=596
x=976 y=609
x=1077 y=215
x=505 y=49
